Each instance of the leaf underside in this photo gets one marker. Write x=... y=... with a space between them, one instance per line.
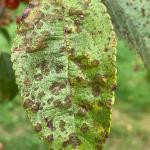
x=64 y=59
x=132 y=23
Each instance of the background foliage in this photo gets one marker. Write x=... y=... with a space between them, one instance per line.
x=130 y=120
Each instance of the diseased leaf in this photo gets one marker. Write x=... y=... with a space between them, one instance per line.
x=64 y=59
x=132 y=23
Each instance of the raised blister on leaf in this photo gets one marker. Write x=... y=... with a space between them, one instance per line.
x=65 y=73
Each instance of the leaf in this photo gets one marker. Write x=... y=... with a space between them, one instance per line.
x=8 y=87
x=132 y=23
x=5 y=34
x=65 y=63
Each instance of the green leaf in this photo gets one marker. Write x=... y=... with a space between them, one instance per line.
x=65 y=63
x=132 y=23
x=8 y=87
x=5 y=34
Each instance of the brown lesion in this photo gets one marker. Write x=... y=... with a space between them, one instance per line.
x=84 y=61
x=58 y=104
x=38 y=77
x=105 y=104
x=77 y=12
x=84 y=104
x=84 y=128
x=27 y=82
x=62 y=125
x=59 y=68
x=49 y=123
x=95 y=63
x=50 y=100
x=72 y=140
x=31 y=105
x=37 y=44
x=82 y=112
x=35 y=107
x=56 y=87
x=78 y=17
x=96 y=89
x=67 y=103
x=68 y=30
x=63 y=49
x=80 y=79
x=99 y=141
x=114 y=87
x=28 y=103
x=41 y=94
x=49 y=138
x=99 y=82
x=43 y=66
x=37 y=127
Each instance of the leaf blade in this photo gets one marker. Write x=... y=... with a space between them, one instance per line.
x=67 y=79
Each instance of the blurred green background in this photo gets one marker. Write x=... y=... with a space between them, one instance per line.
x=130 y=118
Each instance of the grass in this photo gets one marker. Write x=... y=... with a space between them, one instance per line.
x=130 y=119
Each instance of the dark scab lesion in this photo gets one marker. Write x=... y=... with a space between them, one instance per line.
x=49 y=123
x=43 y=66
x=68 y=102
x=68 y=30
x=63 y=49
x=50 y=100
x=41 y=94
x=72 y=53
x=99 y=141
x=35 y=107
x=105 y=104
x=99 y=83
x=37 y=44
x=95 y=63
x=79 y=79
x=84 y=128
x=72 y=140
x=31 y=105
x=82 y=112
x=28 y=103
x=59 y=68
x=83 y=61
x=62 y=125
x=78 y=23
x=114 y=87
x=49 y=138
x=39 y=25
x=37 y=127
x=56 y=87
x=38 y=77
x=85 y=105
x=27 y=82
x=96 y=89
x=76 y=12
x=46 y=33
x=58 y=104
